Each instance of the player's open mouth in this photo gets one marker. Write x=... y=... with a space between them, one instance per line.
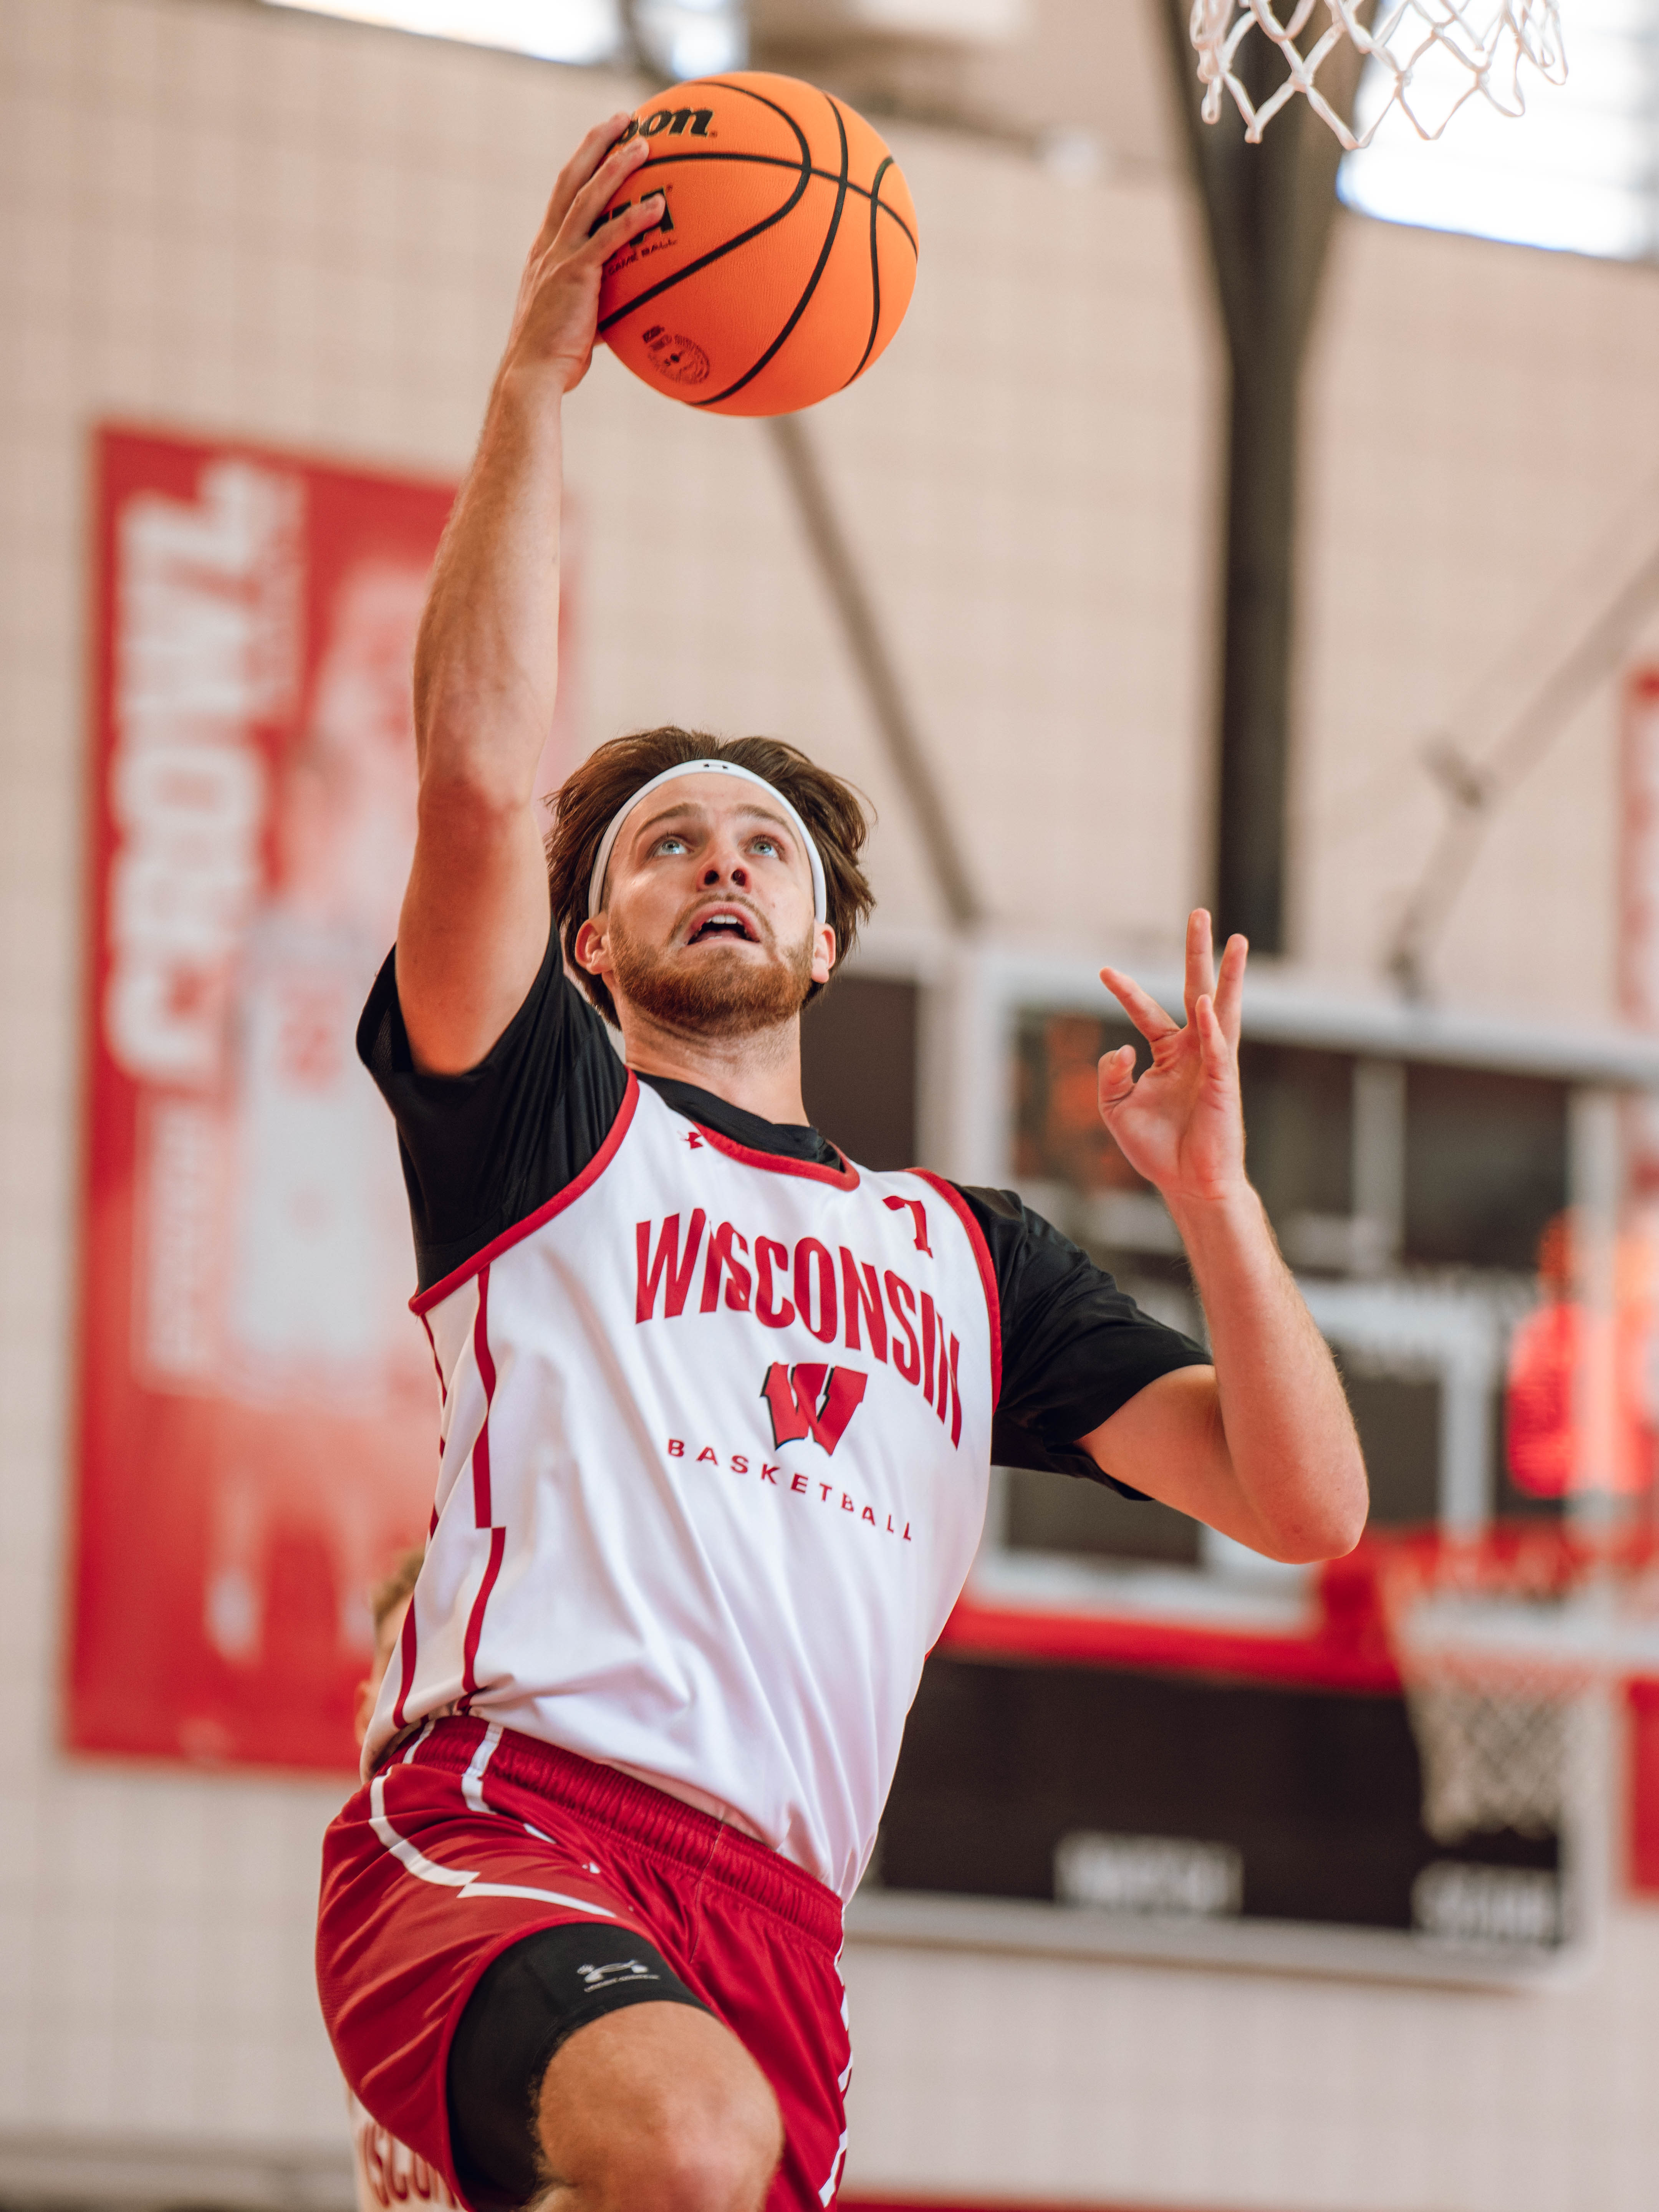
x=723 y=925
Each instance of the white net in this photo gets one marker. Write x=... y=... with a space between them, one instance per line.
x=1494 y=1759
x=1427 y=56
x=1500 y=1655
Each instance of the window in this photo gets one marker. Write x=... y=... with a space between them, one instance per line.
x=579 y=31
x=1485 y=1166
x=1410 y=1195
x=858 y=1052
x=683 y=38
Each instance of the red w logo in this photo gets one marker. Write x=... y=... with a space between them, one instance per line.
x=802 y=1404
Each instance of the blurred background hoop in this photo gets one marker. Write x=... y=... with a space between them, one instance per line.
x=1427 y=58
x=1502 y=1642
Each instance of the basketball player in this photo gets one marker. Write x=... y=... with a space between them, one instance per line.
x=718 y=1405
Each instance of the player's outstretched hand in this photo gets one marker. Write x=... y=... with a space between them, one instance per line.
x=558 y=305
x=1182 y=1126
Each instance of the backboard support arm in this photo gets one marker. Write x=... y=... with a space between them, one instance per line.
x=1267 y=212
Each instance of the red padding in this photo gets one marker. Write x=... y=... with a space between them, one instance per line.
x=1642 y=1705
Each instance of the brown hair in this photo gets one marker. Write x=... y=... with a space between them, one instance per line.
x=584 y=805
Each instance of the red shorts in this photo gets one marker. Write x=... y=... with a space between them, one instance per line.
x=474 y=1838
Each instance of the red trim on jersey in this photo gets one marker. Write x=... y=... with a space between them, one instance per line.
x=437 y=1367
x=475 y=1619
x=987 y=1274
x=481 y=1514
x=845 y=1178
x=423 y=1301
x=406 y=1656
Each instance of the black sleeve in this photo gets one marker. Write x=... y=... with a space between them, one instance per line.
x=483 y=1150
x=1074 y=1346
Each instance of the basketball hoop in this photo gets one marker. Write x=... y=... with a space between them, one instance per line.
x=1501 y=1642
x=1432 y=55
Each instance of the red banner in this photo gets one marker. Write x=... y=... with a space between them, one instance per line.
x=257 y=1422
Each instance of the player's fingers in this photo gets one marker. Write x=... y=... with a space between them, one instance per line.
x=1215 y=1048
x=1201 y=958
x=583 y=192
x=632 y=223
x=579 y=170
x=1229 y=991
x=1117 y=1077
x=607 y=180
x=1148 y=1017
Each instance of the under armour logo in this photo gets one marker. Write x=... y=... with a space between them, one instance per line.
x=618 y=1970
x=803 y=1403
x=918 y=1214
x=695 y=1139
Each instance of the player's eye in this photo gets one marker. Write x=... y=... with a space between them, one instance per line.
x=673 y=842
x=765 y=844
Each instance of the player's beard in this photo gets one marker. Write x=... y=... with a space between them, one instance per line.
x=730 y=995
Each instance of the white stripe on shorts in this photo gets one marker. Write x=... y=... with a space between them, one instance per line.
x=472 y=1780
x=467 y=1883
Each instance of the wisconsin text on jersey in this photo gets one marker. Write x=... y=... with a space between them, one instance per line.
x=803 y=1403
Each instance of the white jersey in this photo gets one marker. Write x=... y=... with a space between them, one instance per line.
x=715 y=1445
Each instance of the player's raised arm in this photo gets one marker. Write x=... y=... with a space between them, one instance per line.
x=475 y=917
x=1262 y=1445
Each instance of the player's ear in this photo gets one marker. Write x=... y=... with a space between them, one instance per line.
x=590 y=947
x=824 y=952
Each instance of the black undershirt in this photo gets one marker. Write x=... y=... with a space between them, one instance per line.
x=482 y=1151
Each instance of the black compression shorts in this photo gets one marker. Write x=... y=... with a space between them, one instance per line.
x=528 y=2002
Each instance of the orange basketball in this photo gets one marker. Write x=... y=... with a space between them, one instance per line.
x=787 y=256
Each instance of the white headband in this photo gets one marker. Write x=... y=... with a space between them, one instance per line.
x=602 y=858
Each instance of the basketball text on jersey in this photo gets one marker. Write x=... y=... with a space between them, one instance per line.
x=797 y=1483
x=715 y=1443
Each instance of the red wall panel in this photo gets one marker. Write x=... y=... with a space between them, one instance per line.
x=257 y=1428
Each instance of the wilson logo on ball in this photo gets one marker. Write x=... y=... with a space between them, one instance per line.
x=674 y=121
